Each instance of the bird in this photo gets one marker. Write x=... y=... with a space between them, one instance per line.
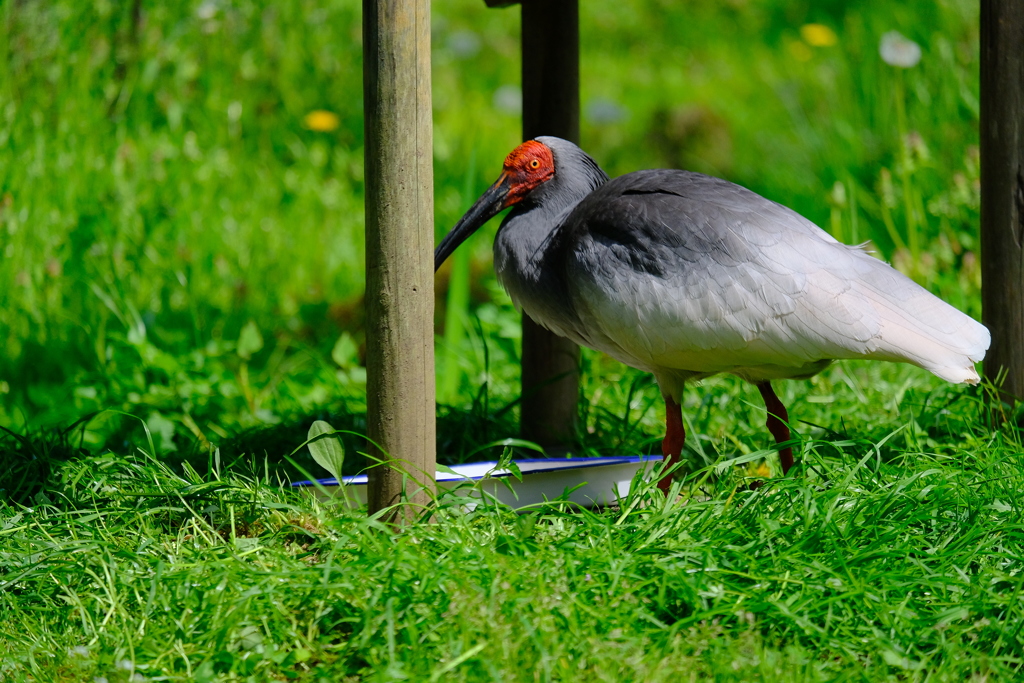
x=686 y=276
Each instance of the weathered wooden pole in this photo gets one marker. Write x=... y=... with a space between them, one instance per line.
x=551 y=106
x=1002 y=190
x=399 y=251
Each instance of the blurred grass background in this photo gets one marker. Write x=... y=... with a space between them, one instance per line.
x=181 y=276
x=181 y=193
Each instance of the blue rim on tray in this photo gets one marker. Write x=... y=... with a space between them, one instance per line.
x=562 y=464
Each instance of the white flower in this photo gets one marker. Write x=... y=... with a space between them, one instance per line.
x=206 y=11
x=508 y=99
x=464 y=44
x=898 y=50
x=604 y=111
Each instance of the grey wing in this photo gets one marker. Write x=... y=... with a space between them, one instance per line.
x=670 y=269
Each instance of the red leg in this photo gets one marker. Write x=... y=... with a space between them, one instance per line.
x=777 y=419
x=675 y=437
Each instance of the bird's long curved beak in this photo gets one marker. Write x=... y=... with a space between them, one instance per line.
x=487 y=207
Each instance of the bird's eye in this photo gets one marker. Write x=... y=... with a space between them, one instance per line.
x=534 y=164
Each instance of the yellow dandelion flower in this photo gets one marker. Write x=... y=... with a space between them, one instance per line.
x=818 y=35
x=321 y=120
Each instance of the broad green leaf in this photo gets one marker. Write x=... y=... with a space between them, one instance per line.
x=163 y=429
x=327 y=451
x=345 y=352
x=250 y=341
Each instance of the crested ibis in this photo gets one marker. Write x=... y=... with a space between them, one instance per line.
x=687 y=276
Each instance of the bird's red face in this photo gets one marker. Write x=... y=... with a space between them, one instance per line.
x=526 y=167
x=529 y=165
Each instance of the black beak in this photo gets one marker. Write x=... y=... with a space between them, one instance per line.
x=487 y=207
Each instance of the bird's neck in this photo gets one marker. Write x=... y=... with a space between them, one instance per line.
x=529 y=249
x=529 y=236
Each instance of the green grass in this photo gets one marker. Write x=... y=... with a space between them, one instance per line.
x=892 y=557
x=893 y=553
x=181 y=286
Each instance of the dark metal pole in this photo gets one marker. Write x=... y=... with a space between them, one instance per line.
x=1002 y=190
x=551 y=106
x=399 y=251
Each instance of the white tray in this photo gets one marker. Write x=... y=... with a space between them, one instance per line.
x=603 y=480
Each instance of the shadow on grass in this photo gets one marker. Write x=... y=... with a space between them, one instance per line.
x=30 y=463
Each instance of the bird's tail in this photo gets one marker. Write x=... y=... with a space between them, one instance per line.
x=920 y=328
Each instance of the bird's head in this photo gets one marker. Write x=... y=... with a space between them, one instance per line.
x=528 y=166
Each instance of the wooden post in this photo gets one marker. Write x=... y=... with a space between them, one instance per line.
x=551 y=106
x=1002 y=190
x=399 y=250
